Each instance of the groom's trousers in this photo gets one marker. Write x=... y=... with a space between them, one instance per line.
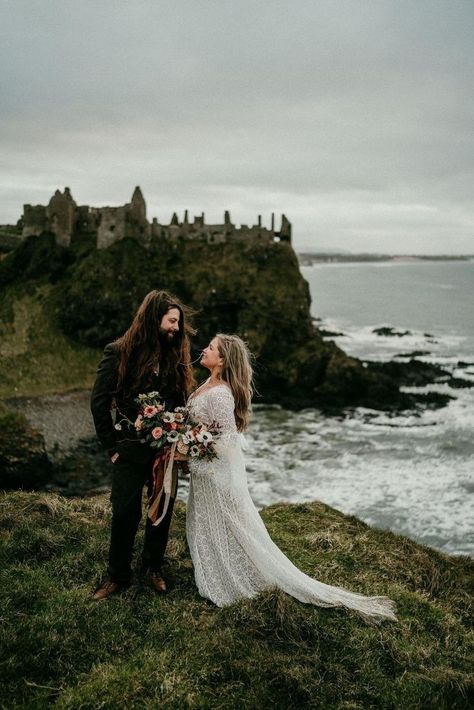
x=126 y=497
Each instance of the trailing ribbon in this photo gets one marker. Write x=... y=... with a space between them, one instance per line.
x=164 y=483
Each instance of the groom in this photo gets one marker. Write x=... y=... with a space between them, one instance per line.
x=153 y=355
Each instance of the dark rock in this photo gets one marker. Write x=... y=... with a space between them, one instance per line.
x=459 y=383
x=411 y=374
x=415 y=353
x=390 y=332
x=418 y=374
x=85 y=468
x=329 y=333
x=430 y=400
x=24 y=462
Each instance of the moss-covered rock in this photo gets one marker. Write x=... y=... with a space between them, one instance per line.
x=256 y=291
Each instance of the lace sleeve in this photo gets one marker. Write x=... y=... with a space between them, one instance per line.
x=221 y=409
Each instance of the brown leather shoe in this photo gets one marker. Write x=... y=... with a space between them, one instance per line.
x=106 y=590
x=158 y=583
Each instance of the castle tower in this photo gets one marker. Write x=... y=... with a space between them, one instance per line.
x=61 y=214
x=285 y=230
x=138 y=205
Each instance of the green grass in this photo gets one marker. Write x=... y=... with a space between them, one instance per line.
x=60 y=649
x=36 y=358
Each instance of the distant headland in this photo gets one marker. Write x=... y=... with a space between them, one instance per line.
x=327 y=257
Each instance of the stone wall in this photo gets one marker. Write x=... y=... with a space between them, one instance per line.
x=64 y=218
x=34 y=220
x=111 y=226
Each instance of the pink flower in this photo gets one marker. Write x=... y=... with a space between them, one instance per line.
x=150 y=411
x=138 y=422
x=157 y=432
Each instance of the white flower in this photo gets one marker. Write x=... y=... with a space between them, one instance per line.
x=118 y=427
x=151 y=394
x=189 y=437
x=204 y=437
x=194 y=450
x=142 y=396
x=178 y=417
x=180 y=409
x=168 y=417
x=172 y=436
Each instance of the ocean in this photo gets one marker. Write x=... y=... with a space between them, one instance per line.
x=410 y=474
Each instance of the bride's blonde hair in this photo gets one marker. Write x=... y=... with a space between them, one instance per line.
x=237 y=372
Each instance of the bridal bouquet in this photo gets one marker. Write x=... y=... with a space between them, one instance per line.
x=161 y=427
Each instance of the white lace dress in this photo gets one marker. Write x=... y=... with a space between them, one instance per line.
x=232 y=552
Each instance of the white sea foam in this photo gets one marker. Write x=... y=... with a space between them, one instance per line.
x=402 y=478
x=411 y=472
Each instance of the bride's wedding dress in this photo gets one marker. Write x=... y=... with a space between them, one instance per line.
x=232 y=552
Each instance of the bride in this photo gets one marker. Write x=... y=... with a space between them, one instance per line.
x=232 y=552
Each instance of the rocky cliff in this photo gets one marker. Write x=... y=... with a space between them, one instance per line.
x=256 y=291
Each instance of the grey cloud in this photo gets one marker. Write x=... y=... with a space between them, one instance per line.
x=325 y=111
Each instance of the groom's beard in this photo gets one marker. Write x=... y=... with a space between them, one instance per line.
x=167 y=338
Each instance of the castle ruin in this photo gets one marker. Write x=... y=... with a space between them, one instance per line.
x=64 y=218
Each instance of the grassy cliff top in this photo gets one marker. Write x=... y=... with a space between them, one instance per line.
x=179 y=651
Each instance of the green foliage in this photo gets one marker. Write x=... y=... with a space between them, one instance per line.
x=139 y=650
x=35 y=258
x=232 y=286
x=35 y=355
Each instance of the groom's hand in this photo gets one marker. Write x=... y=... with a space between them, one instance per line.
x=114 y=457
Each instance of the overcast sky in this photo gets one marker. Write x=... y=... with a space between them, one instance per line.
x=353 y=117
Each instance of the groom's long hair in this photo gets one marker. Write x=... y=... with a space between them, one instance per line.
x=141 y=349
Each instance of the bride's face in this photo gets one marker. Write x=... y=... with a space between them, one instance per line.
x=210 y=355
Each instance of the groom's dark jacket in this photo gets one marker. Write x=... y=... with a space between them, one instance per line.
x=105 y=398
